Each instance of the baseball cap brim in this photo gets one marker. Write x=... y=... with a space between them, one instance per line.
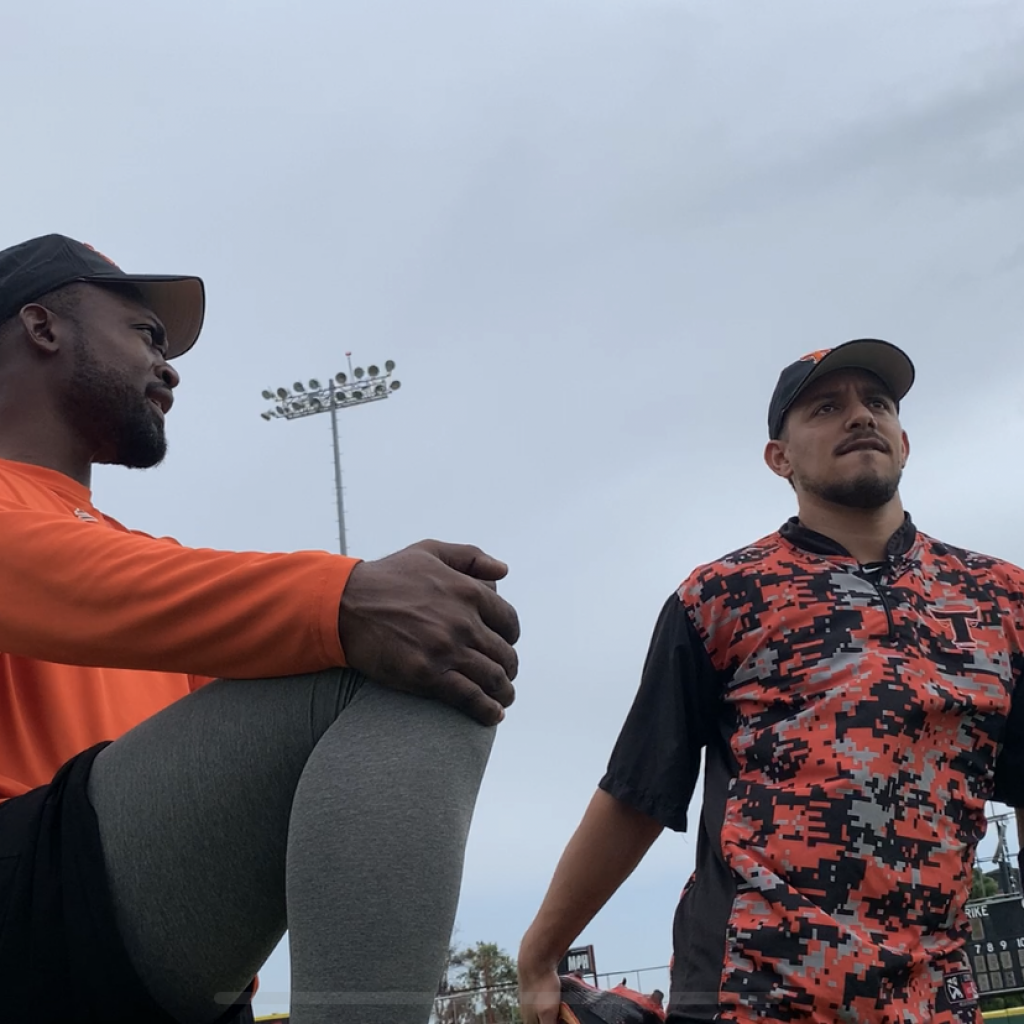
x=179 y=302
x=887 y=362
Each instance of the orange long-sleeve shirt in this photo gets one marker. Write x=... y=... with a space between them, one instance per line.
x=101 y=627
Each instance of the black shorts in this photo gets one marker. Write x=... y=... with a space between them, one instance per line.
x=62 y=960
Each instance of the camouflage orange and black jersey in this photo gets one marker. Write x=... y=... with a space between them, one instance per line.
x=854 y=720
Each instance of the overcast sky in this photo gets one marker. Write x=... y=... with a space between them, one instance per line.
x=590 y=233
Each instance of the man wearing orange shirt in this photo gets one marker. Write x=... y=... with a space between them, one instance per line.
x=192 y=754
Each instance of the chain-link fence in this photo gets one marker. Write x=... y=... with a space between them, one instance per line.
x=646 y=980
x=499 y=1005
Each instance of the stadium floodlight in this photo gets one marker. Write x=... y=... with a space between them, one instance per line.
x=341 y=392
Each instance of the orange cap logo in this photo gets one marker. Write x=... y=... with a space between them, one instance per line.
x=93 y=248
x=815 y=357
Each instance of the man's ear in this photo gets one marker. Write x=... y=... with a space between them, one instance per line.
x=40 y=326
x=776 y=458
x=906 y=449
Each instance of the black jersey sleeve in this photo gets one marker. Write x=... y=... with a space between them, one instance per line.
x=1009 y=781
x=656 y=759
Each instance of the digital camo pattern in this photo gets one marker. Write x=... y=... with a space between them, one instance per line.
x=867 y=724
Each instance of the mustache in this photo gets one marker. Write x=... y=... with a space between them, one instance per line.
x=858 y=439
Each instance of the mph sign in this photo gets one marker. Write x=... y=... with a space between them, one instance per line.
x=579 y=961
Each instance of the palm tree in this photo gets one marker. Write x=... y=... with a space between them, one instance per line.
x=492 y=974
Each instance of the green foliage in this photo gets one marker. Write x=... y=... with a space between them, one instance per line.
x=480 y=985
x=983 y=886
x=1004 y=1002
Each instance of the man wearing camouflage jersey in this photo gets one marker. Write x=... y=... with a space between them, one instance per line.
x=852 y=685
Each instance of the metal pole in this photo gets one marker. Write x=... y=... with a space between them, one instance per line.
x=337 y=475
x=1003 y=858
x=299 y=402
x=1018 y=816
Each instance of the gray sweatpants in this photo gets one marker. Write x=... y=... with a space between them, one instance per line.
x=321 y=804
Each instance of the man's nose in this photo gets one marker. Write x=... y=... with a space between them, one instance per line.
x=862 y=416
x=169 y=375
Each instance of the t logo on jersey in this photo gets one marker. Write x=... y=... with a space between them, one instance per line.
x=958 y=623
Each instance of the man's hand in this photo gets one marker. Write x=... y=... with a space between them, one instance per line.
x=428 y=620
x=540 y=994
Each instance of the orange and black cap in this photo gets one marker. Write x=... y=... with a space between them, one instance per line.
x=887 y=362
x=33 y=268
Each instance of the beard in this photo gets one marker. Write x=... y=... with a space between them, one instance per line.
x=867 y=491
x=109 y=409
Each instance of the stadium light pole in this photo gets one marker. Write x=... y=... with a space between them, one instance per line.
x=342 y=391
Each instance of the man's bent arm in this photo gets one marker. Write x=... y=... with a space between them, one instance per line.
x=89 y=594
x=647 y=787
x=609 y=843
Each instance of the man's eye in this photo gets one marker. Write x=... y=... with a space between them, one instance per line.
x=156 y=338
x=826 y=407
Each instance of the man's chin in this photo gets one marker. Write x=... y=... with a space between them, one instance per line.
x=136 y=459
x=867 y=491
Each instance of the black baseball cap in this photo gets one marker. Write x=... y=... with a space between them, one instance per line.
x=887 y=362
x=31 y=269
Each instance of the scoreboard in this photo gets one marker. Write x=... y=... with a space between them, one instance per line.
x=996 y=948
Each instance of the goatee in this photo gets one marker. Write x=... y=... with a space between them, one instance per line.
x=869 y=491
x=106 y=405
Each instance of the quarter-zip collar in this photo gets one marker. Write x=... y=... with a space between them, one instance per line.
x=800 y=536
